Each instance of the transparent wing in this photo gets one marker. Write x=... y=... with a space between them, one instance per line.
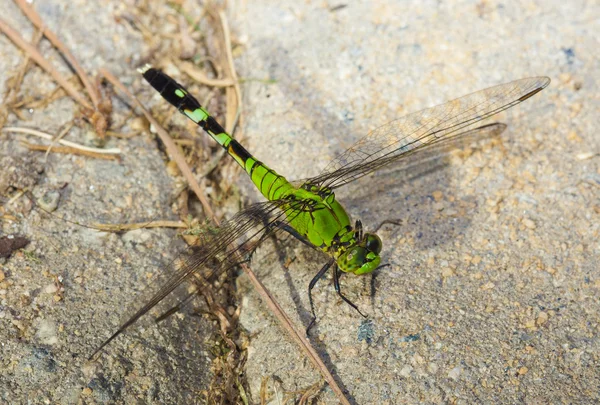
x=405 y=136
x=417 y=159
x=217 y=250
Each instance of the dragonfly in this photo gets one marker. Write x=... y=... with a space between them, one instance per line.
x=308 y=209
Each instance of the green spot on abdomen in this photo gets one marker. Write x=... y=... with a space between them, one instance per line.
x=198 y=115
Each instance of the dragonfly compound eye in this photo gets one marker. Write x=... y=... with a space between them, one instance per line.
x=373 y=243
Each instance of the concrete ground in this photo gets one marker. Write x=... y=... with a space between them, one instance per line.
x=490 y=295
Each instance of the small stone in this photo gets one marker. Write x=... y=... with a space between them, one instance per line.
x=437 y=195
x=1 y=275
x=447 y=272
x=488 y=286
x=454 y=373
x=47 y=332
x=529 y=223
x=542 y=318
x=49 y=201
x=87 y=391
x=138 y=124
x=585 y=155
x=405 y=372
x=50 y=288
x=523 y=370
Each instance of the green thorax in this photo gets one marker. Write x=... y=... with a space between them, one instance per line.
x=324 y=223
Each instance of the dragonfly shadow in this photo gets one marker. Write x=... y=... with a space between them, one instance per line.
x=312 y=260
x=282 y=242
x=421 y=198
x=297 y=87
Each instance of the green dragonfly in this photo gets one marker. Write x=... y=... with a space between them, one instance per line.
x=308 y=209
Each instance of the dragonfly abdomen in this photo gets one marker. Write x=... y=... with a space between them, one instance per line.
x=268 y=182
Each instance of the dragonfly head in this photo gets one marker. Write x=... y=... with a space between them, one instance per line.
x=363 y=257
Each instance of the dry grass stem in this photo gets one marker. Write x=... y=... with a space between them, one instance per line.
x=37 y=57
x=40 y=134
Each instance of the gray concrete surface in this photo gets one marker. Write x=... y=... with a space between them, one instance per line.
x=491 y=292
x=68 y=295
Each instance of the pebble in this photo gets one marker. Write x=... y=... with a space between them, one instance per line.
x=47 y=332
x=405 y=372
x=50 y=288
x=454 y=373
x=488 y=286
x=447 y=272
x=542 y=318
x=49 y=201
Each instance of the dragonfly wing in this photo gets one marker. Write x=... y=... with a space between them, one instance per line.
x=404 y=136
x=217 y=250
x=433 y=154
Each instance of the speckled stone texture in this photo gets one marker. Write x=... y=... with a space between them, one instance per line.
x=62 y=299
x=491 y=295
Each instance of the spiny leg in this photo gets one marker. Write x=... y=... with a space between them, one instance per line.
x=374 y=275
x=310 y=287
x=336 y=284
x=397 y=222
x=287 y=228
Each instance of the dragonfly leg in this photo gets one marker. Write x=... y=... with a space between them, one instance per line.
x=310 y=287
x=285 y=227
x=389 y=221
x=336 y=284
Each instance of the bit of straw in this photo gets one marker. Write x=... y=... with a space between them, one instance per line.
x=40 y=134
x=139 y=225
x=198 y=75
x=37 y=21
x=172 y=148
x=236 y=95
x=68 y=150
x=37 y=57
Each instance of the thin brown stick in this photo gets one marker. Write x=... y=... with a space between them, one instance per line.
x=168 y=141
x=67 y=150
x=139 y=225
x=25 y=65
x=37 y=21
x=273 y=305
x=60 y=136
x=40 y=134
x=198 y=75
x=34 y=54
x=232 y=113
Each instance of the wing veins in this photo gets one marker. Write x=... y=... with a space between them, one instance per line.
x=369 y=153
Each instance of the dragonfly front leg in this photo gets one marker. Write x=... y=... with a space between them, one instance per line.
x=310 y=287
x=336 y=284
x=397 y=222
